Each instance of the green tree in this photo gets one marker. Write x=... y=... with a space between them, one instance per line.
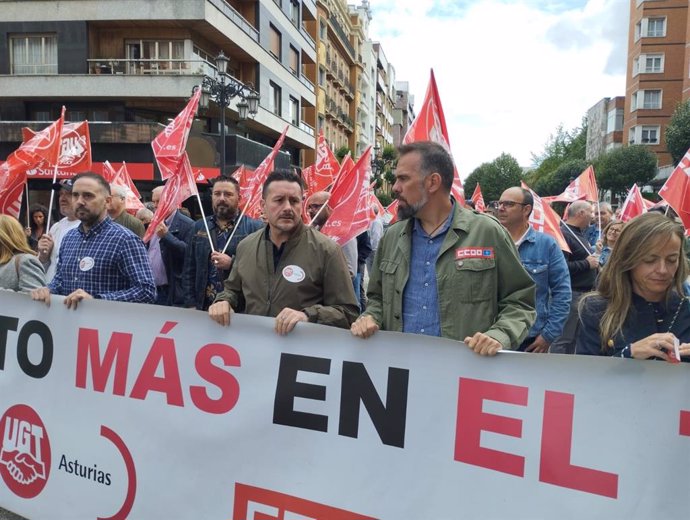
x=558 y=181
x=341 y=152
x=620 y=168
x=494 y=177
x=562 y=146
x=383 y=166
x=678 y=132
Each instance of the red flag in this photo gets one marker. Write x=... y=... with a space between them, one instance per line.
x=391 y=213
x=676 y=190
x=634 y=204
x=563 y=197
x=325 y=169
x=169 y=146
x=430 y=125
x=122 y=178
x=255 y=184
x=374 y=202
x=75 y=148
x=545 y=220
x=44 y=146
x=12 y=180
x=585 y=186
x=478 y=199
x=350 y=202
x=177 y=189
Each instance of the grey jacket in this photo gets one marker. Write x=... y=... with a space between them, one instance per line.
x=22 y=273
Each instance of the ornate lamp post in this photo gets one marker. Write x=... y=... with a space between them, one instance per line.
x=222 y=88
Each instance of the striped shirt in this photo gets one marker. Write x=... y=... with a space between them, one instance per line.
x=109 y=262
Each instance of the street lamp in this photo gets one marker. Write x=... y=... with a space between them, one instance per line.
x=222 y=88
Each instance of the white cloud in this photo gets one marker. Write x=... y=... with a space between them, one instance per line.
x=508 y=71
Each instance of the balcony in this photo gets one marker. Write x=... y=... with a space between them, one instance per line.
x=307 y=83
x=345 y=40
x=306 y=128
x=148 y=67
x=237 y=18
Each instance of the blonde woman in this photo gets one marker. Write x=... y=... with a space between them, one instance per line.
x=639 y=309
x=20 y=269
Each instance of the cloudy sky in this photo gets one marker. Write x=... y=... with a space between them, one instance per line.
x=508 y=71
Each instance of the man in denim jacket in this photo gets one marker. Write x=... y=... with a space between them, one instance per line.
x=444 y=270
x=544 y=261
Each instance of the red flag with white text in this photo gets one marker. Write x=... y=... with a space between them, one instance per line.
x=478 y=199
x=253 y=194
x=75 y=148
x=585 y=186
x=122 y=178
x=676 y=190
x=43 y=147
x=350 y=202
x=545 y=220
x=391 y=212
x=634 y=204
x=325 y=168
x=430 y=125
x=177 y=189
x=172 y=141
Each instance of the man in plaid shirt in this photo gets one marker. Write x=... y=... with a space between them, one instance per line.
x=99 y=259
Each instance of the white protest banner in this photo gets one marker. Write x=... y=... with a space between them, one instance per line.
x=141 y=412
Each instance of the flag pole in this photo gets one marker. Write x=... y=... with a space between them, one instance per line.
x=203 y=217
x=52 y=195
x=578 y=240
x=26 y=187
x=225 y=247
x=599 y=216
x=311 y=221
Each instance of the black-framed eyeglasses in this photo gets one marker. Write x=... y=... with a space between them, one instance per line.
x=509 y=203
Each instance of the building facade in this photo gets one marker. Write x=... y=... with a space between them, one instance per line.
x=657 y=71
x=129 y=70
x=403 y=111
x=605 y=127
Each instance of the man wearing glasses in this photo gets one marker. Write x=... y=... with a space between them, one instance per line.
x=545 y=263
x=443 y=270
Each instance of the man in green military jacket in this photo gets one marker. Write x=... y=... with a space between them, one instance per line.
x=444 y=270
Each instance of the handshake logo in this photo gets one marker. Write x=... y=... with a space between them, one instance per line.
x=25 y=451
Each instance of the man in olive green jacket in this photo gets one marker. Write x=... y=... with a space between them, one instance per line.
x=287 y=270
x=445 y=271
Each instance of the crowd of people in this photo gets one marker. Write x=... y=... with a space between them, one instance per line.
x=442 y=269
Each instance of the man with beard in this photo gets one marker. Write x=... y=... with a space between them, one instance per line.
x=287 y=270
x=99 y=259
x=49 y=243
x=205 y=269
x=445 y=270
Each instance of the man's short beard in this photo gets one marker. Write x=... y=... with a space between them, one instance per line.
x=225 y=212
x=410 y=210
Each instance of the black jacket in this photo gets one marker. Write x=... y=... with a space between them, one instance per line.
x=173 y=248
x=582 y=278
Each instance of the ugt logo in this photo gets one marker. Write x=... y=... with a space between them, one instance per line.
x=25 y=451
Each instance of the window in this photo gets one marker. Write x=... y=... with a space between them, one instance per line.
x=656 y=28
x=294 y=61
x=646 y=134
x=320 y=122
x=275 y=43
x=322 y=29
x=274 y=98
x=294 y=12
x=156 y=55
x=648 y=64
x=294 y=111
x=651 y=99
x=322 y=76
x=34 y=54
x=650 y=135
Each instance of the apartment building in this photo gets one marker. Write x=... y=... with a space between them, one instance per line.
x=657 y=72
x=385 y=97
x=605 y=127
x=403 y=111
x=130 y=67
